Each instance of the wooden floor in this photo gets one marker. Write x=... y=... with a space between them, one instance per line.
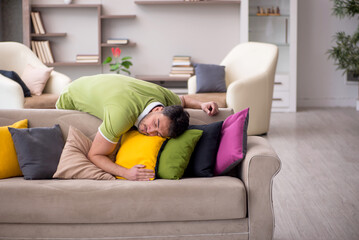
x=316 y=193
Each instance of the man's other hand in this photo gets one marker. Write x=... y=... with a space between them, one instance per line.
x=139 y=173
x=211 y=108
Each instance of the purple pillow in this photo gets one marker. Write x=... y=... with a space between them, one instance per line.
x=233 y=146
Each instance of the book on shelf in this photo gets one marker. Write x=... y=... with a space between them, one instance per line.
x=181 y=72
x=41 y=55
x=87 y=58
x=181 y=66
x=34 y=23
x=118 y=41
x=182 y=57
x=43 y=51
x=180 y=75
x=48 y=51
x=37 y=23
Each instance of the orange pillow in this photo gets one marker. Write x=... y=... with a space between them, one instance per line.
x=9 y=166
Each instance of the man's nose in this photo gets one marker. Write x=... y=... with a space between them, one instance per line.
x=152 y=131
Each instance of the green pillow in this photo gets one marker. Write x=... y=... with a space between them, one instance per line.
x=175 y=156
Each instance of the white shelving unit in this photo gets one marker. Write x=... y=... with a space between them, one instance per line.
x=280 y=30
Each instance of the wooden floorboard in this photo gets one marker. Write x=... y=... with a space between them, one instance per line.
x=316 y=193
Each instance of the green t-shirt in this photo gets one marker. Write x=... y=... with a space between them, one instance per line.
x=116 y=99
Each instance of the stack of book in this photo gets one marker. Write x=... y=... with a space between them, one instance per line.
x=181 y=67
x=87 y=58
x=43 y=51
x=37 y=23
x=118 y=41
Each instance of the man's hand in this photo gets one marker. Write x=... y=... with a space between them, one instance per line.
x=139 y=173
x=211 y=108
x=98 y=154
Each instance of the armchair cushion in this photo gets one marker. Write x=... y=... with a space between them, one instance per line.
x=36 y=78
x=44 y=101
x=219 y=98
x=14 y=76
x=210 y=78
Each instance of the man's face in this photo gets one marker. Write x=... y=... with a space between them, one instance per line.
x=155 y=124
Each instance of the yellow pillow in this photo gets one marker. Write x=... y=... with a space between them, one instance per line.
x=137 y=148
x=9 y=166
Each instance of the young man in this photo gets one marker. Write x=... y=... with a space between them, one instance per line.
x=123 y=102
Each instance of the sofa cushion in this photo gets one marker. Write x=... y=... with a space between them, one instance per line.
x=74 y=163
x=92 y=201
x=9 y=165
x=137 y=148
x=44 y=101
x=204 y=155
x=176 y=154
x=233 y=146
x=38 y=150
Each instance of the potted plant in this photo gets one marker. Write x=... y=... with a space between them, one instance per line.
x=346 y=51
x=118 y=65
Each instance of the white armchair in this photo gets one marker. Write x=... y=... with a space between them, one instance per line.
x=249 y=75
x=14 y=57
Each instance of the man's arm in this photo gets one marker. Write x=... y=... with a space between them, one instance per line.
x=98 y=154
x=211 y=108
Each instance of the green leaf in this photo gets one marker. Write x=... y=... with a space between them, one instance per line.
x=126 y=64
x=125 y=58
x=114 y=67
x=128 y=72
x=107 y=60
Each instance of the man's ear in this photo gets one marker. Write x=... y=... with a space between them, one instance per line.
x=157 y=109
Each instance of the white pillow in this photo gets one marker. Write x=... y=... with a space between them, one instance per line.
x=36 y=78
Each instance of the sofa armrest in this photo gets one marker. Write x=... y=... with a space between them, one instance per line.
x=57 y=82
x=192 y=85
x=256 y=93
x=11 y=94
x=257 y=171
x=199 y=117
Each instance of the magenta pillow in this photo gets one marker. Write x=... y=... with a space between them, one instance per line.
x=233 y=146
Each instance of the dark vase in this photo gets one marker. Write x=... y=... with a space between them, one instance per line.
x=353 y=76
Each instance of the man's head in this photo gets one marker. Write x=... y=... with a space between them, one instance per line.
x=169 y=121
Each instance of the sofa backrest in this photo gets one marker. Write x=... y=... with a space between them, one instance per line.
x=86 y=123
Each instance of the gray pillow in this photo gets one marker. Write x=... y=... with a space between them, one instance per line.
x=210 y=78
x=38 y=150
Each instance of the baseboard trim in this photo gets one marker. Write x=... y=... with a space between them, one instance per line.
x=328 y=102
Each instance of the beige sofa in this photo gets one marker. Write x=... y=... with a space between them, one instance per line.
x=226 y=207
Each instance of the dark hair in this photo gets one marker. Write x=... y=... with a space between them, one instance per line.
x=179 y=120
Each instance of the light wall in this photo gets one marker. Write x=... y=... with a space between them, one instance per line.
x=207 y=33
x=204 y=32
x=319 y=83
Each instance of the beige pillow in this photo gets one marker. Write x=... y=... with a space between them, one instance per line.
x=36 y=78
x=74 y=163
